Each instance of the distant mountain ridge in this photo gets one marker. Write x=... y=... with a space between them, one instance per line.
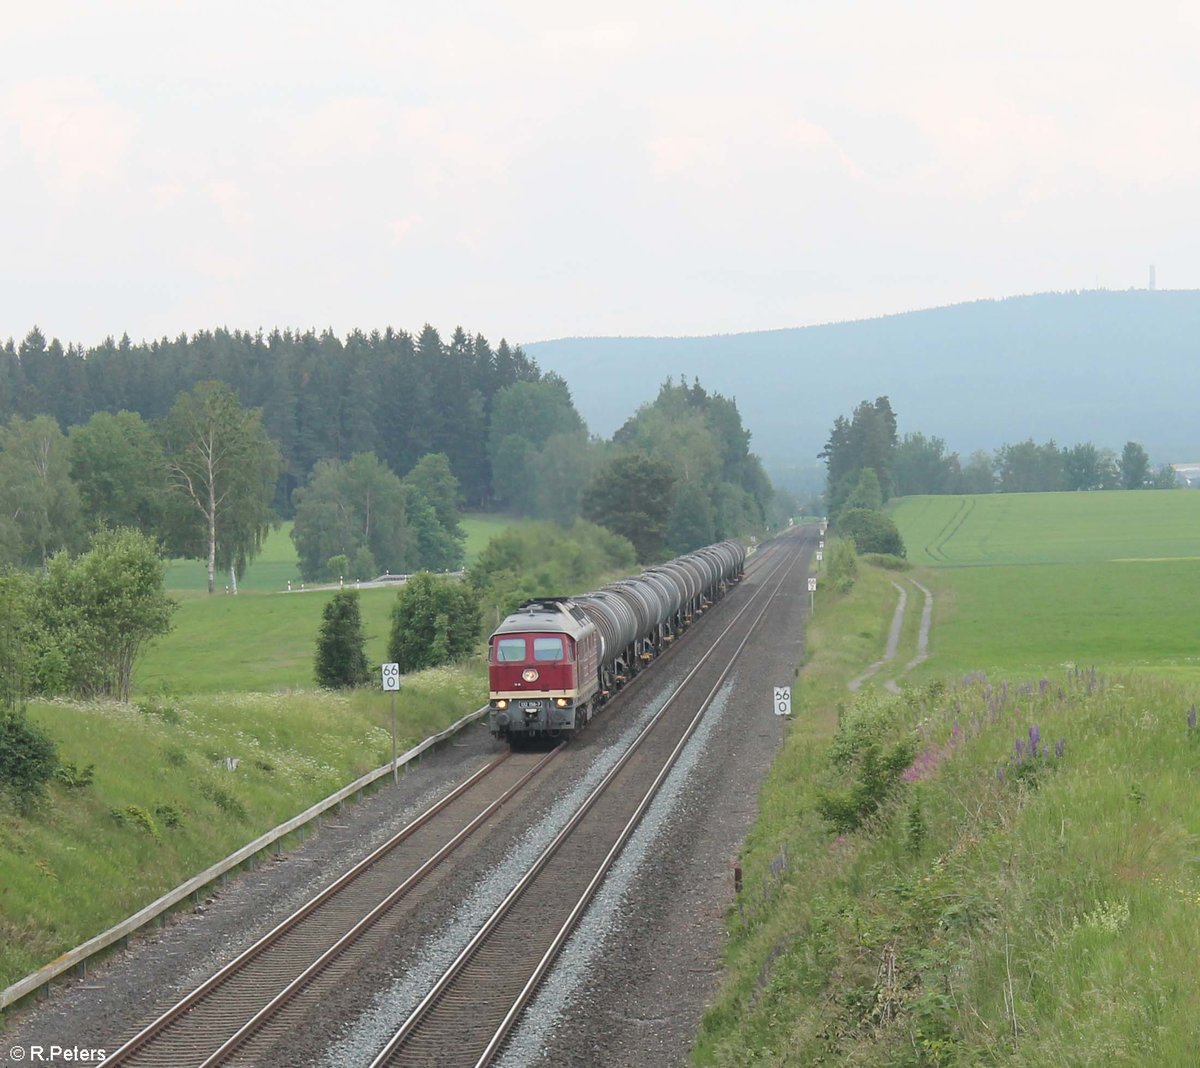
x=1100 y=366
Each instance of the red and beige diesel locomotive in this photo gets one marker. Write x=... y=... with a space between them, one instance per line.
x=556 y=660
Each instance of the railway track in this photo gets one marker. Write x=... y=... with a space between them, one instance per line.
x=469 y=1012
x=325 y=938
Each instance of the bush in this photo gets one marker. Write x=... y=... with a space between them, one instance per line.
x=341 y=658
x=544 y=560
x=28 y=759
x=887 y=561
x=872 y=532
x=434 y=621
x=843 y=565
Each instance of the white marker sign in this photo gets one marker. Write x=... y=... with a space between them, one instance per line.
x=812 y=585
x=391 y=676
x=783 y=700
x=820 y=556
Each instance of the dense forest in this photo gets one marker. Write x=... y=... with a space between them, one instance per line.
x=391 y=393
x=372 y=445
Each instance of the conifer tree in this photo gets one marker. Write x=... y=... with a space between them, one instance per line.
x=341 y=658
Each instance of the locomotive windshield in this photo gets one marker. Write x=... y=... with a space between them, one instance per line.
x=509 y=650
x=547 y=649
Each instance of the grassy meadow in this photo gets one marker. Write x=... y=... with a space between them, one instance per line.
x=1050 y=528
x=1029 y=582
x=986 y=906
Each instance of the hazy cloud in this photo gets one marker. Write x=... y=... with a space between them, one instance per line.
x=533 y=170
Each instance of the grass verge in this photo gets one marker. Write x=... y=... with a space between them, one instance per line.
x=162 y=805
x=989 y=907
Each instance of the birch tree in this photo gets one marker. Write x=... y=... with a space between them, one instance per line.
x=224 y=465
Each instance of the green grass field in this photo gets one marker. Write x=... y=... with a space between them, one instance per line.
x=1029 y=582
x=277 y=564
x=1049 y=528
x=270 y=571
x=481 y=527
x=253 y=642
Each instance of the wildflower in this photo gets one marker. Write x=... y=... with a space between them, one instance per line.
x=1035 y=736
x=1192 y=718
x=1019 y=746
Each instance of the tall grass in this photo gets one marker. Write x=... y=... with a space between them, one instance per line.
x=999 y=908
x=163 y=805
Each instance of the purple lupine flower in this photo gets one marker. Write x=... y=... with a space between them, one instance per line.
x=1192 y=718
x=1019 y=746
x=1060 y=747
x=1043 y=686
x=1035 y=736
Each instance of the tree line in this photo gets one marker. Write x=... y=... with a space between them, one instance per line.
x=397 y=395
x=867 y=440
x=201 y=481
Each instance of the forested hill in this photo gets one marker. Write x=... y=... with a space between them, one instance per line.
x=393 y=393
x=1093 y=366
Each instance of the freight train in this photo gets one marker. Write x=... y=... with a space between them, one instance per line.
x=556 y=660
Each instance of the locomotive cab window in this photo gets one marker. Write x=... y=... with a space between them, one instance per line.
x=548 y=649
x=509 y=650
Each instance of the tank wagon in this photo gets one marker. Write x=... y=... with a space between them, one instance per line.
x=556 y=660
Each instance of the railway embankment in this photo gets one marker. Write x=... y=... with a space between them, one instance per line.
x=982 y=868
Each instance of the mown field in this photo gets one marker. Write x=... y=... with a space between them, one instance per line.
x=1030 y=582
x=924 y=890
x=1050 y=528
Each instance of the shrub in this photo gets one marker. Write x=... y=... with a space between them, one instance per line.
x=843 y=565
x=887 y=561
x=871 y=531
x=543 y=559
x=74 y=778
x=169 y=815
x=434 y=621
x=341 y=657
x=137 y=817
x=28 y=758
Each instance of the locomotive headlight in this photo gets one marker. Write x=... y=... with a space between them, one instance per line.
x=530 y=675
x=561 y=702
x=502 y=703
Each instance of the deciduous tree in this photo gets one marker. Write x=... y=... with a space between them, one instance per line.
x=434 y=621
x=632 y=496
x=224 y=465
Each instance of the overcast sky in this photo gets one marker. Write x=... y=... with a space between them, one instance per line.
x=536 y=170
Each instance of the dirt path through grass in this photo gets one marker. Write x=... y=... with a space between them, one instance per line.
x=892 y=643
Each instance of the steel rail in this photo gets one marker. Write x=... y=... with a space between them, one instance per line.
x=457 y=966
x=144 y=1038
x=564 y=932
